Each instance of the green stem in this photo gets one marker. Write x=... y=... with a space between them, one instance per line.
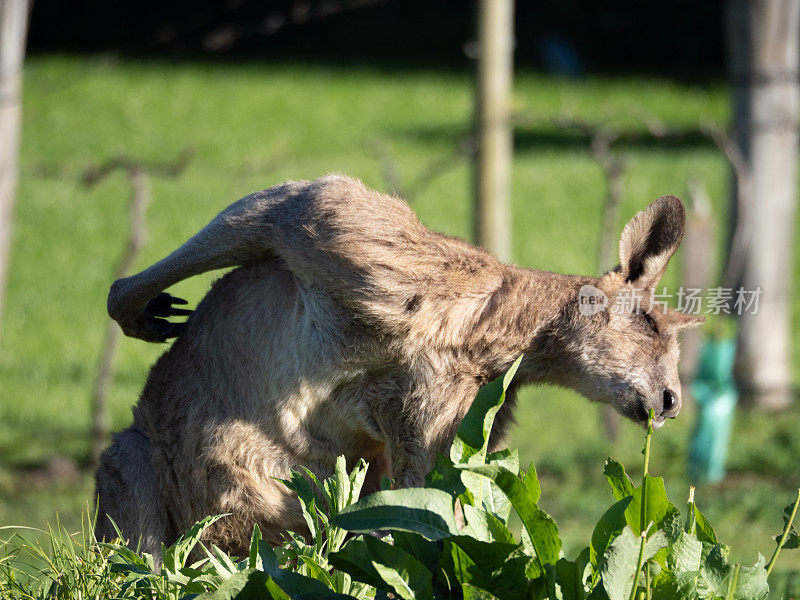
x=650 y=417
x=639 y=564
x=785 y=534
x=734 y=581
x=690 y=517
x=647 y=582
x=646 y=472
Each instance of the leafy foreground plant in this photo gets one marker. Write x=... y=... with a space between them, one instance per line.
x=641 y=547
x=447 y=540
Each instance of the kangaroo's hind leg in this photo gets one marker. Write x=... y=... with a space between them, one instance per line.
x=126 y=492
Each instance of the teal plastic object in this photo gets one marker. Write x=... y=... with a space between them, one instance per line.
x=715 y=395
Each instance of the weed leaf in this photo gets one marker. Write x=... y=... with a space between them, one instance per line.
x=428 y=512
x=539 y=525
x=658 y=507
x=472 y=437
x=621 y=485
x=620 y=561
x=608 y=527
x=382 y=565
x=498 y=567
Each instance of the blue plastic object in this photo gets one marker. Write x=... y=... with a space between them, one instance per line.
x=714 y=392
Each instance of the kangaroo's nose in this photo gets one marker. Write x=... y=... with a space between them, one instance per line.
x=672 y=404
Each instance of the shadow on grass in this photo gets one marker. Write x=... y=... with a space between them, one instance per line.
x=549 y=137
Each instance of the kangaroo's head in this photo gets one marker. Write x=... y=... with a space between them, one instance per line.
x=623 y=339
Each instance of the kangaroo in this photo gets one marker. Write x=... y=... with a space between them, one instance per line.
x=349 y=328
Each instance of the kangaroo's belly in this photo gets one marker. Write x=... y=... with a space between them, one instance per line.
x=270 y=375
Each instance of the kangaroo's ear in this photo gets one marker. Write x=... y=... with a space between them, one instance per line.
x=649 y=240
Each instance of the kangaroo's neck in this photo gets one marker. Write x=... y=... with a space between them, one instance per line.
x=529 y=314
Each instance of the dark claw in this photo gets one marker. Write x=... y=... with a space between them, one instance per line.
x=161 y=306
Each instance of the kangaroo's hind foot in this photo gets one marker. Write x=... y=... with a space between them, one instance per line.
x=126 y=493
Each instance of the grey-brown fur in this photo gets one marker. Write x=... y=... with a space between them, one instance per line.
x=350 y=328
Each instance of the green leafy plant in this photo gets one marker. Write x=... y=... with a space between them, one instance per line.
x=641 y=547
x=449 y=539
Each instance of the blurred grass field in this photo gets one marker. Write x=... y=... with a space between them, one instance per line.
x=252 y=125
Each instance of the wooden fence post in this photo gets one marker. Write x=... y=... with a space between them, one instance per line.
x=765 y=51
x=13 y=31
x=492 y=228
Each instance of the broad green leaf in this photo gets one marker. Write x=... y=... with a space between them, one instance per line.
x=384 y=565
x=508 y=459
x=253 y=585
x=495 y=567
x=275 y=591
x=752 y=583
x=444 y=476
x=792 y=539
x=716 y=571
x=598 y=593
x=621 y=561
x=485 y=526
x=297 y=586
x=608 y=527
x=300 y=486
x=685 y=551
x=621 y=485
x=426 y=552
x=316 y=571
x=485 y=492
x=357 y=477
x=253 y=560
x=540 y=526
x=703 y=529
x=342 y=484
x=246 y=585
x=720 y=578
x=657 y=506
x=398 y=577
x=355 y=559
x=791 y=542
x=681 y=586
x=472 y=437
x=685 y=554
x=531 y=482
x=475 y=593
x=487 y=495
x=428 y=512
x=566 y=581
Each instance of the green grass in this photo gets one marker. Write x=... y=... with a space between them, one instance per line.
x=253 y=125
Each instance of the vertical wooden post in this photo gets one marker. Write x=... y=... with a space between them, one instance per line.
x=697 y=271
x=13 y=31
x=765 y=55
x=495 y=145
